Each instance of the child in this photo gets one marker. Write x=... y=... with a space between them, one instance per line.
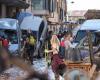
x=57 y=63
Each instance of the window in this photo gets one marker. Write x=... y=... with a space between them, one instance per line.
x=44 y=4
x=61 y=14
x=38 y=4
x=52 y=5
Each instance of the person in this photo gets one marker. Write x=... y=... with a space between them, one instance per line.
x=58 y=65
x=68 y=45
x=76 y=74
x=26 y=48
x=32 y=42
x=49 y=36
x=62 y=47
x=68 y=40
x=5 y=43
x=54 y=39
x=5 y=57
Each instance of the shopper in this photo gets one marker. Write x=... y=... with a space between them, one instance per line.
x=5 y=43
x=26 y=48
x=58 y=65
x=68 y=45
x=32 y=42
x=62 y=47
x=4 y=59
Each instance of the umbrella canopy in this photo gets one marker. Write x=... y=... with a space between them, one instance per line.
x=93 y=24
x=8 y=23
x=31 y=22
x=20 y=16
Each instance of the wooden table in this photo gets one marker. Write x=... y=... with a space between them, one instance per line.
x=84 y=66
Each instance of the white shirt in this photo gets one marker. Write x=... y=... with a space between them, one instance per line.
x=67 y=44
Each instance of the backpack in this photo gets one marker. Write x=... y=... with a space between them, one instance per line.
x=31 y=40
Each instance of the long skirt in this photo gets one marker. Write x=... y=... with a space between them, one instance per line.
x=56 y=61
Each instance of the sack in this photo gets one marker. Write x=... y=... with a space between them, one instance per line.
x=31 y=40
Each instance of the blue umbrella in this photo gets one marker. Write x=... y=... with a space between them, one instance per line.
x=93 y=24
x=31 y=22
x=20 y=16
x=8 y=23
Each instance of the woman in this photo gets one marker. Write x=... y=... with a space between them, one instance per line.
x=55 y=40
x=57 y=63
x=68 y=46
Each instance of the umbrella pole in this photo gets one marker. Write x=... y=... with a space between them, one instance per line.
x=19 y=39
x=90 y=46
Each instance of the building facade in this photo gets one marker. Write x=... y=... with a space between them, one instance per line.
x=76 y=15
x=9 y=8
x=92 y=14
x=54 y=11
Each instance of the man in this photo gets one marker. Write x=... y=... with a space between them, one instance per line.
x=32 y=42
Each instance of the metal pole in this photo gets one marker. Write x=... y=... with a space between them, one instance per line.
x=90 y=46
x=19 y=38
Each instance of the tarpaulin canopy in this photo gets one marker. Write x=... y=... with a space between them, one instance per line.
x=8 y=23
x=31 y=22
x=93 y=24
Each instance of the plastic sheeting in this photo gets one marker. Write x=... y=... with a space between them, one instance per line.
x=7 y=23
x=91 y=25
x=31 y=22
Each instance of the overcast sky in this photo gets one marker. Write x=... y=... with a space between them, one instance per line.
x=83 y=4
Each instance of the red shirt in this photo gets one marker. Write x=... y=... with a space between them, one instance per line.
x=62 y=43
x=5 y=43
